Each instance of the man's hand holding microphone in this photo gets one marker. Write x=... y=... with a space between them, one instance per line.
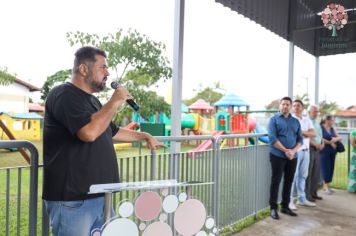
x=121 y=93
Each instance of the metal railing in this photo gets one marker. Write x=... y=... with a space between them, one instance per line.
x=342 y=163
x=241 y=175
x=33 y=191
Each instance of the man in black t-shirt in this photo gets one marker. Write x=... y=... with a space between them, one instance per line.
x=78 y=145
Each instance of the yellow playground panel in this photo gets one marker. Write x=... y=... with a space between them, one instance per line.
x=23 y=126
x=119 y=146
x=206 y=125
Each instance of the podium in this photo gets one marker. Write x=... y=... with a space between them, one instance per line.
x=189 y=214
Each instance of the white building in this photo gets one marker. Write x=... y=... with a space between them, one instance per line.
x=15 y=97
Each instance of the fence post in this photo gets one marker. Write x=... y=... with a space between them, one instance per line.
x=216 y=156
x=33 y=189
x=255 y=175
x=153 y=165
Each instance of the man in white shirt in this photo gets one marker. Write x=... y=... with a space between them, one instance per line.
x=316 y=144
x=301 y=172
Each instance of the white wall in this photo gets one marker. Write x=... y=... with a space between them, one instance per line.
x=14 y=98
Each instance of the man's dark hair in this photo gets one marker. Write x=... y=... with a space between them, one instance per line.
x=299 y=101
x=286 y=99
x=86 y=54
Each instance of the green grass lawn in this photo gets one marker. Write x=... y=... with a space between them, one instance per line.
x=340 y=178
x=23 y=201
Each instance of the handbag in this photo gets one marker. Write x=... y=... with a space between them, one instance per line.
x=340 y=146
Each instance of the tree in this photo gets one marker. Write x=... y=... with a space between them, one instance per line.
x=328 y=108
x=137 y=61
x=53 y=80
x=131 y=51
x=273 y=105
x=151 y=101
x=5 y=77
x=209 y=94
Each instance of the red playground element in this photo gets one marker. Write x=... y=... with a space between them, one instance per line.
x=239 y=123
x=252 y=124
x=206 y=144
x=222 y=121
x=132 y=125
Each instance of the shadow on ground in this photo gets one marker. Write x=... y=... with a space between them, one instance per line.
x=334 y=215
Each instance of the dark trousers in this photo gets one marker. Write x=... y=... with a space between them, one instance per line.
x=281 y=166
x=311 y=186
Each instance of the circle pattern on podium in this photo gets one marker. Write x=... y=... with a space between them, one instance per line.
x=170 y=203
x=126 y=209
x=148 y=206
x=158 y=228
x=123 y=225
x=189 y=217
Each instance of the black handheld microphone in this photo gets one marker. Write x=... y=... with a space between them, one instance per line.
x=131 y=102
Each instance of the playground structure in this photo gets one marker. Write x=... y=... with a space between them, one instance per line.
x=24 y=126
x=203 y=117
x=231 y=120
x=229 y=115
x=196 y=119
x=228 y=120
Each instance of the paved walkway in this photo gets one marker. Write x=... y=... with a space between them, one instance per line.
x=334 y=215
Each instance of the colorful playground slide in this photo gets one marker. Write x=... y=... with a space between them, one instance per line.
x=260 y=130
x=207 y=143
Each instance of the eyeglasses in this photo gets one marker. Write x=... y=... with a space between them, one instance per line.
x=104 y=67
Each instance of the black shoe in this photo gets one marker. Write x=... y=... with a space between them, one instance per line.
x=274 y=214
x=288 y=211
x=317 y=197
x=311 y=199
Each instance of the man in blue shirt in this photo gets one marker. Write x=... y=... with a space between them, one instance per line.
x=285 y=138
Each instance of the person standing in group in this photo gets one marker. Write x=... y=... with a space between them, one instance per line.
x=78 y=145
x=352 y=176
x=316 y=144
x=302 y=169
x=285 y=138
x=328 y=153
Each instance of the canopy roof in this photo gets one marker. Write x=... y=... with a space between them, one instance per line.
x=231 y=99
x=26 y=116
x=200 y=104
x=299 y=21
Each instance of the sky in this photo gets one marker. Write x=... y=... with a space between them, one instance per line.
x=219 y=45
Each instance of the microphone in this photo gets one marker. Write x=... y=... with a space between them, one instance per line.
x=131 y=102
